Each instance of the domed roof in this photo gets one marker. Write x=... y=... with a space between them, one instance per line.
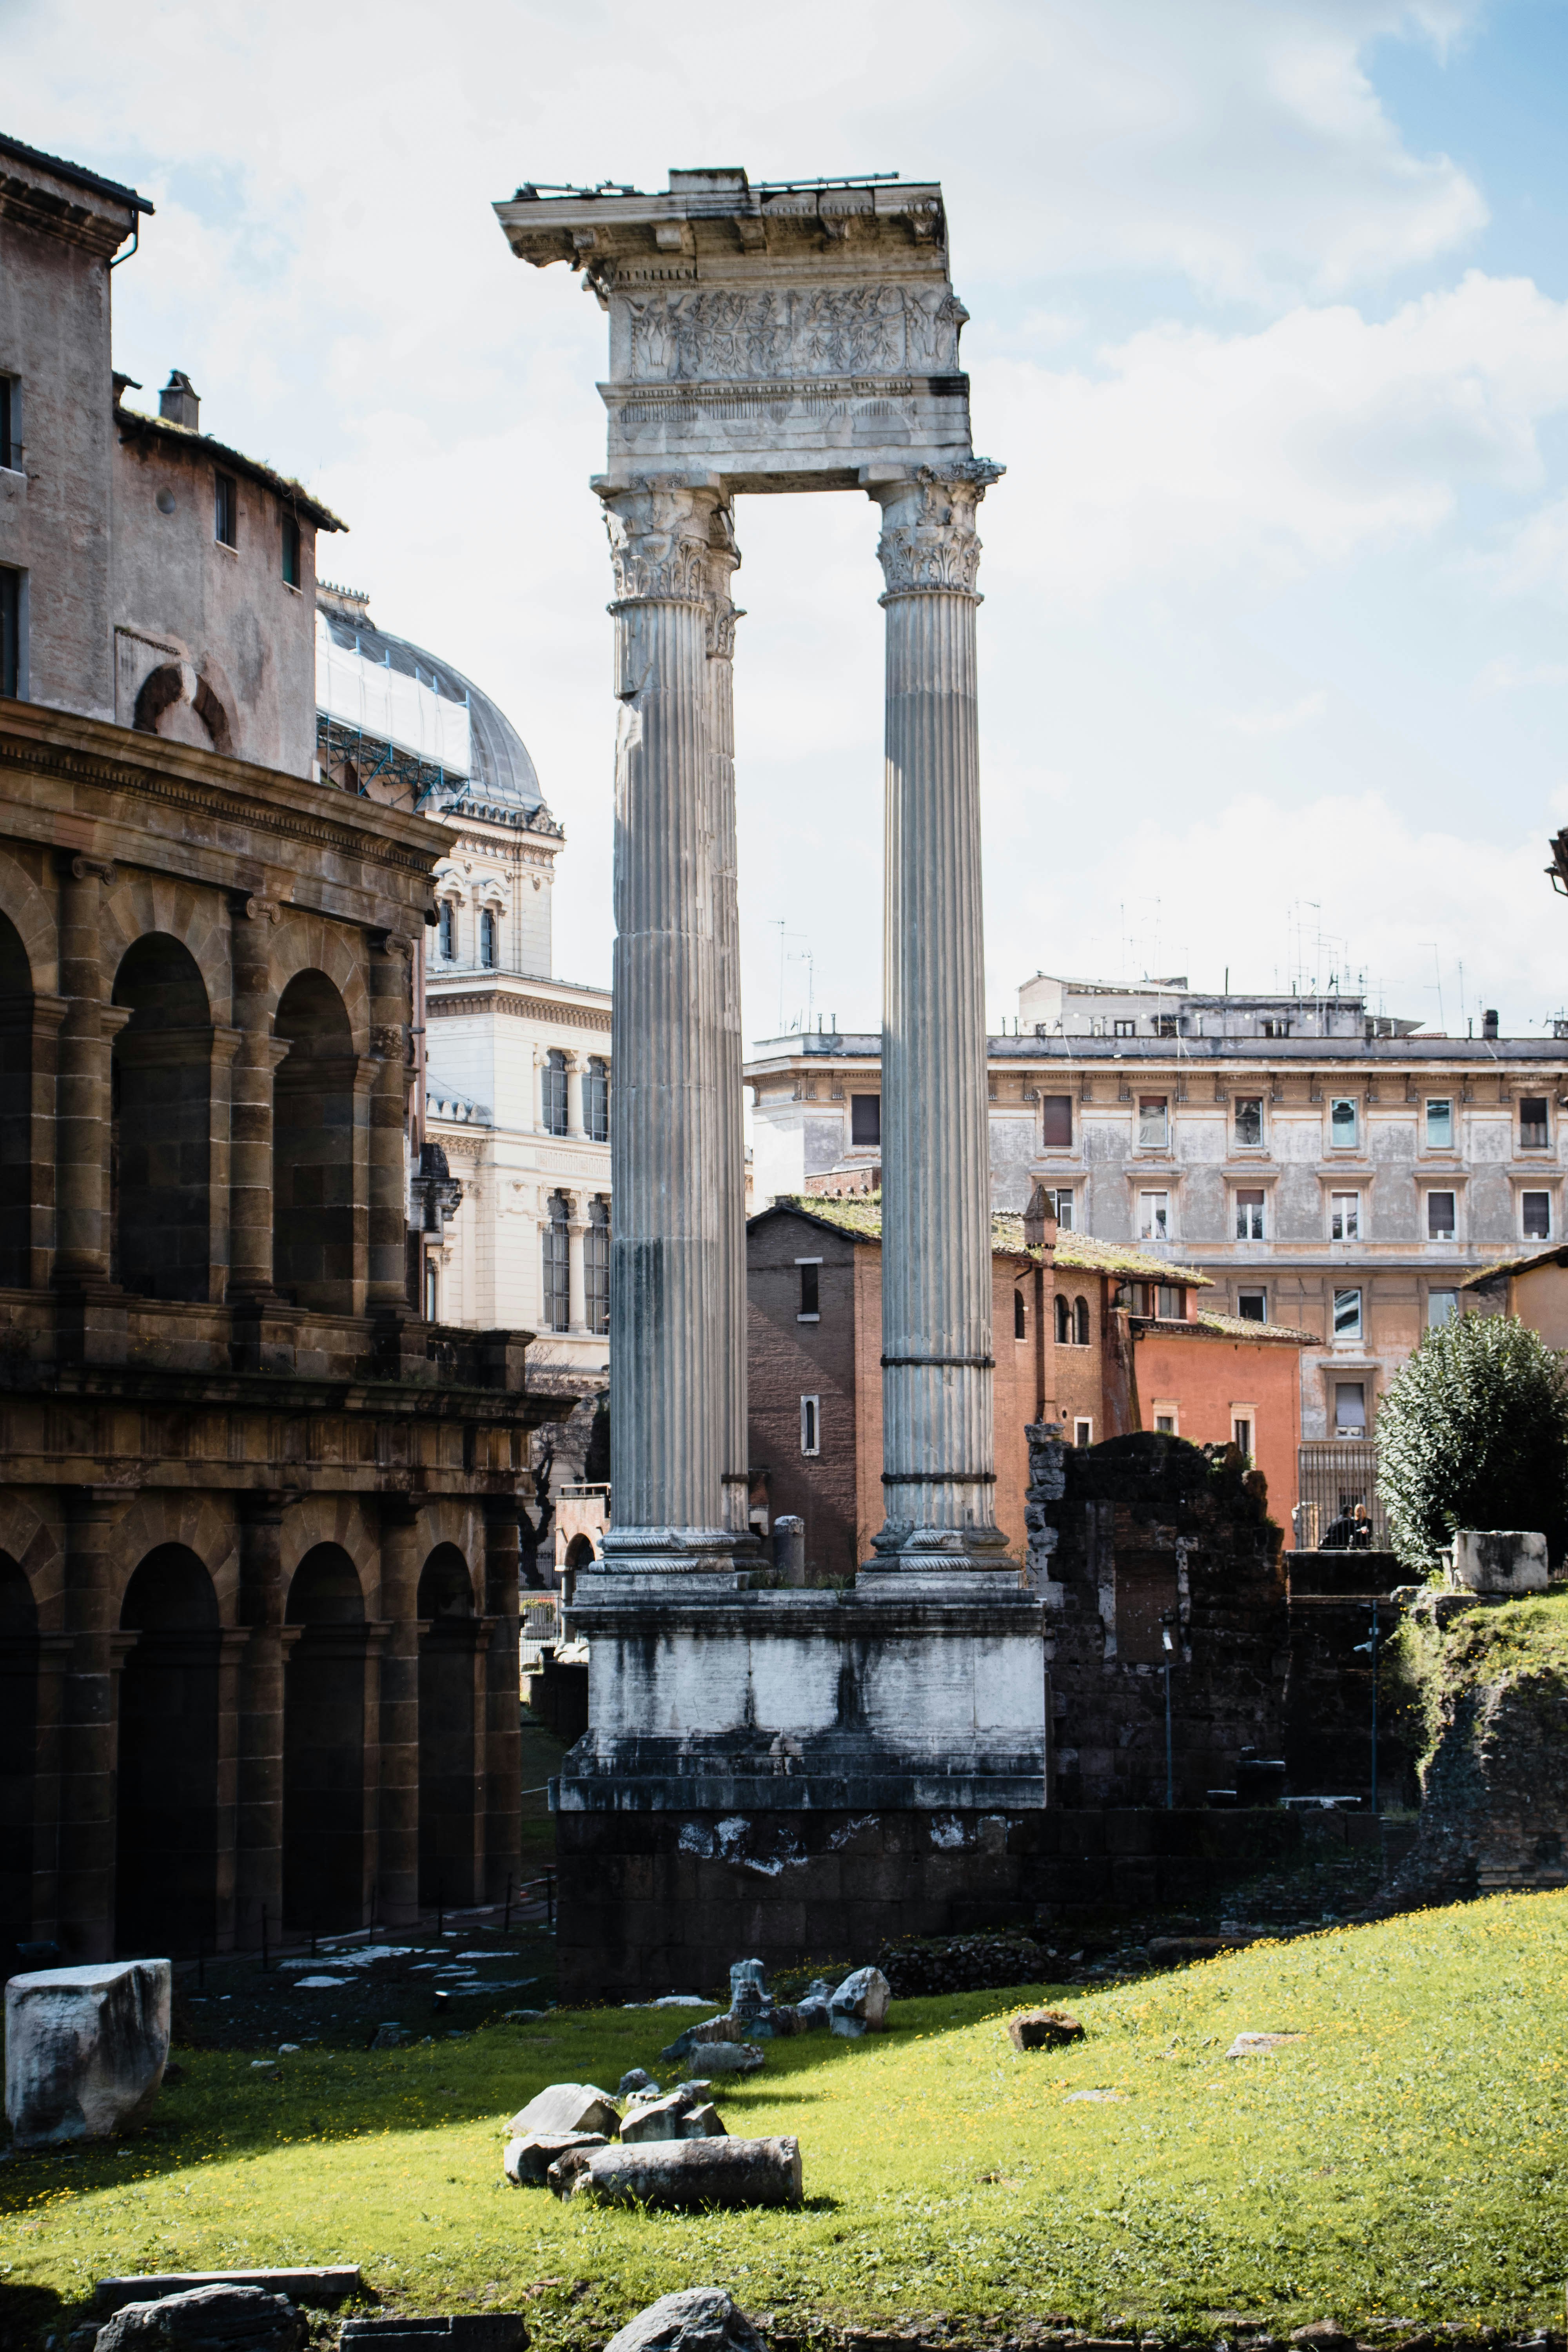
x=501 y=775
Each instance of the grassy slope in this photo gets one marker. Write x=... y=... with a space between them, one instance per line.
x=1405 y=2160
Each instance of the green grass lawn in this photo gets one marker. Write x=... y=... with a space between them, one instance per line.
x=1404 y=2160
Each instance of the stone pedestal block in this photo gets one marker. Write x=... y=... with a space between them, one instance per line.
x=85 y=2049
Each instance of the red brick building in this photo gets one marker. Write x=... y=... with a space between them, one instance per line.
x=1101 y=1338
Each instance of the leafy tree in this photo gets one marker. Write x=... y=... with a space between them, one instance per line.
x=1473 y=1432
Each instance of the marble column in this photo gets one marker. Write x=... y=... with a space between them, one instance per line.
x=939 y=1481
x=576 y=1293
x=667 y=1427
x=723 y=562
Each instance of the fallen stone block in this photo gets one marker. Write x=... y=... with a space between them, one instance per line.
x=567 y=2107
x=527 y=2161
x=1042 y=2028
x=731 y=2057
x=676 y=2116
x=388 y=2035
x=320 y=2286
x=472 y=2331
x=685 y=2175
x=860 y=2003
x=1498 y=1559
x=206 y=2319
x=85 y=2049
x=697 y=2319
x=637 y=2078
x=712 y=2029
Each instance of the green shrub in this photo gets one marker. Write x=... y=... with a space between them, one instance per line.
x=1474 y=1434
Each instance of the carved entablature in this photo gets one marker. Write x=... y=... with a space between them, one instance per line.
x=775 y=337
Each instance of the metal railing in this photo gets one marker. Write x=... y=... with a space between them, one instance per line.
x=1339 y=1509
x=540 y=1619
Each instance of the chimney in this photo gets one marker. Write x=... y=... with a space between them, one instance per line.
x=178 y=401
x=1488 y=1024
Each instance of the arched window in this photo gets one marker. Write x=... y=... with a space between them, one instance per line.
x=447 y=932
x=325 y=1881
x=557 y=1267
x=1081 y=1322
x=596 y=1265
x=449 y=1636
x=1020 y=1316
x=556 y=1121
x=487 y=936
x=313 y=1246
x=1064 y=1323
x=161 y=1141
x=596 y=1100
x=166 y=1829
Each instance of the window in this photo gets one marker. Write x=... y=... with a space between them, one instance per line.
x=1347 y=1314
x=1083 y=1432
x=447 y=932
x=1164 y=1025
x=291 y=551
x=1533 y=1132
x=1249 y=1121
x=554 y=1093
x=487 y=936
x=811 y=1424
x=10 y=423
x=865 y=1119
x=1081 y=1322
x=596 y=1100
x=1249 y=1216
x=1439 y=1216
x=1345 y=1216
x=1064 y=1322
x=1345 y=1125
x=1252 y=1306
x=1062 y=1198
x=1153 y=1124
x=226 y=510
x=431 y=1294
x=1350 y=1409
x=1124 y=1028
x=1439 y=1123
x=1056 y=1121
x=1241 y=1436
x=1276 y=1028
x=1165 y=1423
x=1170 y=1302
x=1154 y=1216
x=810 y=1308
x=1442 y=1305
x=596 y=1266
x=557 y=1267
x=10 y=632
x=1020 y=1316
x=1535 y=1213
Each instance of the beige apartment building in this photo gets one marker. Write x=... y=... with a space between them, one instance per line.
x=1328 y=1168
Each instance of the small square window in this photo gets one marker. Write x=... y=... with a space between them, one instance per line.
x=865 y=1119
x=1154 y=1122
x=1083 y=1432
x=1154 y=1216
x=1248 y=1121
x=1535 y=1215
x=1534 y=1131
x=1345 y=1216
x=10 y=423
x=1440 y=1216
x=1439 y=1123
x=10 y=632
x=1252 y=1306
x=1276 y=1028
x=1347 y=1314
x=810 y=1290
x=1126 y=1029
x=226 y=510
x=1056 y=1121
x=1062 y=1196
x=1442 y=1305
x=1241 y=1436
x=1164 y=1025
x=291 y=551
x=1350 y=1408
x=811 y=1424
x=1165 y=1423
x=1249 y=1216
x=1345 y=1125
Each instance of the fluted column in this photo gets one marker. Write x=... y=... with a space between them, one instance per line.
x=723 y=562
x=939 y=1481
x=667 y=1427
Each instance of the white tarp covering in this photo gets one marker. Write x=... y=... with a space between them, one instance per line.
x=395 y=709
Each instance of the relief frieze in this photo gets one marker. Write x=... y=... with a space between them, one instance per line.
x=716 y=334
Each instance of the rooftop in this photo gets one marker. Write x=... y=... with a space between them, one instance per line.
x=1501 y=1267
x=861 y=1216
x=73 y=172
x=135 y=424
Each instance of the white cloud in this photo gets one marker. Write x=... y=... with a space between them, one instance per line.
x=1507 y=675
x=1283 y=721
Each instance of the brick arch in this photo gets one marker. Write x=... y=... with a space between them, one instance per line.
x=141 y=903
x=198 y=1522
x=309 y=943
x=34 y=918
x=38 y=1550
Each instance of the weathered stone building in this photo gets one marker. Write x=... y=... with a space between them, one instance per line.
x=259 y=1522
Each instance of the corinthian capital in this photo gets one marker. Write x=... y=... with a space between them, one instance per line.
x=659 y=540
x=929 y=540
x=724 y=562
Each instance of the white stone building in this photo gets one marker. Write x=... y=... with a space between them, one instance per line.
x=517 y=1064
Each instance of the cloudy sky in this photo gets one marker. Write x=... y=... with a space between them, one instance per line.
x=1270 y=327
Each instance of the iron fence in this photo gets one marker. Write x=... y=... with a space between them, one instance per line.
x=1339 y=1509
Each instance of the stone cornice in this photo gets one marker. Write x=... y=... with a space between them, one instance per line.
x=520 y=1008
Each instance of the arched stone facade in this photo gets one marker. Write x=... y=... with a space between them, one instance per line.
x=232 y=1446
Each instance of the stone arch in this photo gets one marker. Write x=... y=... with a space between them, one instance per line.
x=34 y=915
x=310 y=943
x=191 y=1521
x=326 y=1843
x=18 y=1750
x=320 y=1224
x=167 y=1814
x=345 y=1521
x=580 y=1552
x=451 y=1639
x=177 y=702
x=160 y=1157
x=141 y=903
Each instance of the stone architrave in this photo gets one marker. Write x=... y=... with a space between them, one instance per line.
x=85 y=2049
